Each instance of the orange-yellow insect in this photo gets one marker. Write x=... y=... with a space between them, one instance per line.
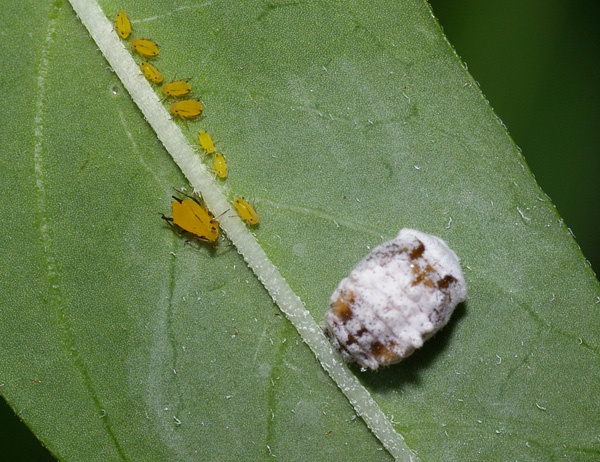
x=151 y=72
x=186 y=109
x=123 y=25
x=206 y=142
x=191 y=216
x=144 y=47
x=221 y=167
x=247 y=213
x=176 y=89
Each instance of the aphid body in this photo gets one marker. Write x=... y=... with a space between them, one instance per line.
x=123 y=25
x=176 y=89
x=397 y=297
x=144 y=47
x=190 y=215
x=151 y=72
x=221 y=169
x=246 y=211
x=186 y=109
x=206 y=142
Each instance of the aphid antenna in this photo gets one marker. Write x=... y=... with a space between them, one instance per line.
x=194 y=198
x=185 y=79
x=252 y=202
x=221 y=214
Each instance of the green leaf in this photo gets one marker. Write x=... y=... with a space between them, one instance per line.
x=344 y=123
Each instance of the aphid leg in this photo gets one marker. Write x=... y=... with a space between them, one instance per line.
x=169 y=221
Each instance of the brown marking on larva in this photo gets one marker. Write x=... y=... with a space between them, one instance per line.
x=391 y=354
x=423 y=276
x=445 y=282
x=341 y=307
x=430 y=271
x=419 y=279
x=436 y=314
x=383 y=353
x=342 y=311
x=351 y=339
x=417 y=252
x=387 y=252
x=396 y=249
x=378 y=348
x=362 y=331
x=401 y=250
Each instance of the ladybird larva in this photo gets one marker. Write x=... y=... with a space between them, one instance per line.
x=397 y=297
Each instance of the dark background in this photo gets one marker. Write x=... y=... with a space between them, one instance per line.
x=537 y=62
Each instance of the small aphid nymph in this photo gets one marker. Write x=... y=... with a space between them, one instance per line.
x=123 y=25
x=191 y=216
x=176 y=89
x=151 y=72
x=221 y=167
x=246 y=211
x=397 y=297
x=144 y=47
x=186 y=109
x=206 y=142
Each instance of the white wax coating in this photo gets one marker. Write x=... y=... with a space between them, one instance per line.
x=397 y=297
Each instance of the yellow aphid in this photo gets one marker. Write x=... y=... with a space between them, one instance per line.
x=123 y=25
x=186 y=109
x=191 y=216
x=206 y=142
x=151 y=72
x=221 y=167
x=247 y=213
x=144 y=47
x=176 y=89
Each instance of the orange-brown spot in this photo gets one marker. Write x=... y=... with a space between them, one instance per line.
x=445 y=282
x=378 y=349
x=383 y=353
x=417 y=252
x=341 y=307
x=423 y=276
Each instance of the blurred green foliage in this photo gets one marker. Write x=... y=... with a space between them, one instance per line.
x=537 y=63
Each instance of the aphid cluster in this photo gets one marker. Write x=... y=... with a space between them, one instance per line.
x=148 y=49
x=189 y=215
x=397 y=297
x=208 y=146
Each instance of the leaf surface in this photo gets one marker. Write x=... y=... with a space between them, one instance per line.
x=343 y=122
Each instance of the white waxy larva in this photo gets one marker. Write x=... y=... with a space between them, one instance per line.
x=397 y=297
